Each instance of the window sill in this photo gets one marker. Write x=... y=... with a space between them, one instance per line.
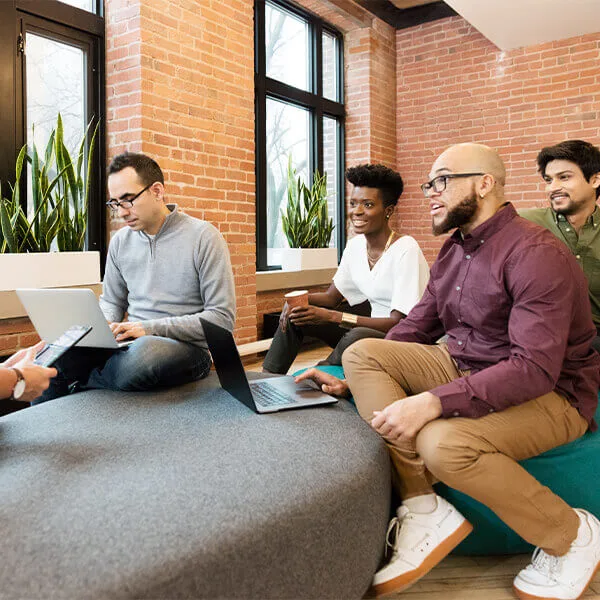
x=280 y=280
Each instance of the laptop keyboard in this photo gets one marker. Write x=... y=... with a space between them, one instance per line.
x=268 y=395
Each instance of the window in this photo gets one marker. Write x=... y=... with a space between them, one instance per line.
x=52 y=61
x=299 y=112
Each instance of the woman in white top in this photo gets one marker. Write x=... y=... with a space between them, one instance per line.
x=378 y=265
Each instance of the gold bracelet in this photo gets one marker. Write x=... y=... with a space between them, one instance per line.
x=348 y=320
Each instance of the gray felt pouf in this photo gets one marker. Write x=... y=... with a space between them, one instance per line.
x=188 y=494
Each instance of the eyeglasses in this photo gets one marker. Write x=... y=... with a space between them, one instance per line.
x=438 y=184
x=128 y=203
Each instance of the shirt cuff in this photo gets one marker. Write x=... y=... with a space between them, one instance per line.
x=455 y=401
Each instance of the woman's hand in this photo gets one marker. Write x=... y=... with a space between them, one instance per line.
x=310 y=315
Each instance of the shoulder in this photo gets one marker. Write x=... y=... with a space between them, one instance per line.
x=405 y=243
x=536 y=215
x=203 y=229
x=355 y=245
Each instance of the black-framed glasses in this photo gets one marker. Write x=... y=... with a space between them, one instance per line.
x=128 y=202
x=438 y=184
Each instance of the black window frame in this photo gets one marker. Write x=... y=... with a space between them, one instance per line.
x=318 y=106
x=62 y=22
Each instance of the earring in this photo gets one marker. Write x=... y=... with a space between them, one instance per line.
x=387 y=216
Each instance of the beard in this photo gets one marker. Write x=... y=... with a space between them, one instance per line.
x=570 y=208
x=461 y=214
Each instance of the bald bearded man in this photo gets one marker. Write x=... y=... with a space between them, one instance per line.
x=516 y=377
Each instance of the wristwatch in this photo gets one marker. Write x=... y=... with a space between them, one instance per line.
x=348 y=320
x=19 y=388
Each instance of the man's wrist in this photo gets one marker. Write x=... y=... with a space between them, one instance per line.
x=434 y=405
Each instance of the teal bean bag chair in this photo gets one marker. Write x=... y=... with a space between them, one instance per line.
x=568 y=470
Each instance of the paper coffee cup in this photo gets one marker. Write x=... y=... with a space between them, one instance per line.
x=297 y=298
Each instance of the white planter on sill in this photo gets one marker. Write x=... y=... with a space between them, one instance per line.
x=48 y=269
x=300 y=259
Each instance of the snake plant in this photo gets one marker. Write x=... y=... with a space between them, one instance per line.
x=305 y=221
x=59 y=197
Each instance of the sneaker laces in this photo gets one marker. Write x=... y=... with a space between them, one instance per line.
x=544 y=563
x=399 y=530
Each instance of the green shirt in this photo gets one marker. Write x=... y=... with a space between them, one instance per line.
x=585 y=246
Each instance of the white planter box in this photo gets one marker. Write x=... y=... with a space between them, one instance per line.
x=300 y=259
x=48 y=269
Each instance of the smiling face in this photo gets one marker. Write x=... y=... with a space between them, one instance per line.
x=567 y=188
x=367 y=211
x=147 y=212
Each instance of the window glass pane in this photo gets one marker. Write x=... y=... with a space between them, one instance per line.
x=88 y=5
x=331 y=161
x=329 y=66
x=286 y=47
x=287 y=133
x=55 y=82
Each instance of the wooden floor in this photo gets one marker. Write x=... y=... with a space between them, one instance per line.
x=457 y=577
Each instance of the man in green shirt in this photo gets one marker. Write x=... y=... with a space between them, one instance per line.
x=571 y=171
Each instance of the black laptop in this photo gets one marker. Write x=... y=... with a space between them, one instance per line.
x=266 y=395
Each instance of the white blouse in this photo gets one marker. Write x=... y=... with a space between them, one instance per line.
x=396 y=282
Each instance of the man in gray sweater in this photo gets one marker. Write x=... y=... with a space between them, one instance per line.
x=164 y=270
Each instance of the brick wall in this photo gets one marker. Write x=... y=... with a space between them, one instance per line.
x=180 y=81
x=454 y=85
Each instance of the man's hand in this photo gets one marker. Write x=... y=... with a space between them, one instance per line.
x=328 y=383
x=127 y=330
x=37 y=379
x=310 y=315
x=402 y=420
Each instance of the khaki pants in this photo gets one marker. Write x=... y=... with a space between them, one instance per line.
x=475 y=456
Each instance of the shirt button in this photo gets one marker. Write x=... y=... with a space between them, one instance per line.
x=578 y=256
x=481 y=241
x=458 y=288
x=468 y=256
x=459 y=320
x=568 y=229
x=455 y=413
x=459 y=343
x=491 y=410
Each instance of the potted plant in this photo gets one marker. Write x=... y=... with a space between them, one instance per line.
x=306 y=224
x=45 y=248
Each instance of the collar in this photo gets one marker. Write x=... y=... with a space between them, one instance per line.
x=593 y=219
x=487 y=229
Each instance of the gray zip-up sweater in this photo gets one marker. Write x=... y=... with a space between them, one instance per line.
x=168 y=281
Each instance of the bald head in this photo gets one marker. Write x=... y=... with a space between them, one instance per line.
x=471 y=158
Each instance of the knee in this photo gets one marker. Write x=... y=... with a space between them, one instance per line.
x=445 y=449
x=358 y=353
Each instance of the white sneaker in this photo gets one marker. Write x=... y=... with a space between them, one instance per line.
x=563 y=577
x=419 y=542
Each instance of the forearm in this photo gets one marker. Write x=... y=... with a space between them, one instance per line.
x=323 y=299
x=377 y=323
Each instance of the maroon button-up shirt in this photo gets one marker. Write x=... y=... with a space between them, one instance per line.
x=514 y=303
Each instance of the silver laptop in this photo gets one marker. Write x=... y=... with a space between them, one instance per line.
x=261 y=395
x=53 y=311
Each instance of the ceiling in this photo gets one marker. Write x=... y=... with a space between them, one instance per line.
x=508 y=24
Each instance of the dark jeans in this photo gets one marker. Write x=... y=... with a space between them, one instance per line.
x=286 y=345
x=149 y=362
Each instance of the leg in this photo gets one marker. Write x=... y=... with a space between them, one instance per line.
x=358 y=333
x=151 y=362
x=479 y=457
x=380 y=372
x=286 y=344
x=74 y=366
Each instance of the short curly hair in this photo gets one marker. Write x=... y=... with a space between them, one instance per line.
x=585 y=155
x=378 y=176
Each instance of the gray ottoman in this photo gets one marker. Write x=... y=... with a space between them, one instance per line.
x=188 y=494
